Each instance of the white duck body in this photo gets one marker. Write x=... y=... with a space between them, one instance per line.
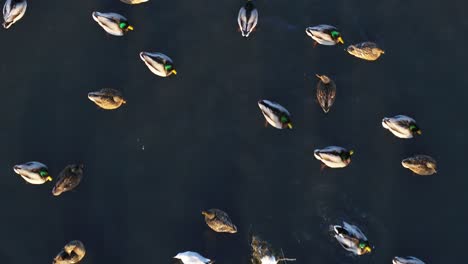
x=407 y=260
x=351 y=240
x=322 y=35
x=31 y=172
x=190 y=257
x=332 y=156
x=400 y=126
x=110 y=22
x=273 y=112
x=13 y=10
x=157 y=63
x=133 y=2
x=247 y=18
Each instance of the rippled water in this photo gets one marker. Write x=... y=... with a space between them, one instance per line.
x=197 y=140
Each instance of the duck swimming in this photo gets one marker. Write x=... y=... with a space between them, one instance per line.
x=365 y=50
x=134 y=2
x=333 y=156
x=219 y=221
x=352 y=239
x=112 y=23
x=247 y=18
x=262 y=252
x=72 y=253
x=275 y=114
x=325 y=35
x=420 y=164
x=407 y=260
x=190 y=257
x=108 y=99
x=33 y=172
x=13 y=10
x=326 y=92
x=158 y=63
x=68 y=179
x=401 y=126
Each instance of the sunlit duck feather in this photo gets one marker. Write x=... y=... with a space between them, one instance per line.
x=113 y=23
x=247 y=18
x=325 y=35
x=13 y=10
x=352 y=239
x=158 y=63
x=33 y=172
x=401 y=126
x=333 y=156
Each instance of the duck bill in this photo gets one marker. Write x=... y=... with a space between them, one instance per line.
x=130 y=27
x=290 y=126
x=49 y=178
x=419 y=132
x=174 y=72
x=340 y=40
x=368 y=249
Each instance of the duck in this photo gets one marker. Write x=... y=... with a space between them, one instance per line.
x=275 y=114
x=420 y=164
x=219 y=221
x=133 y=2
x=401 y=126
x=325 y=35
x=366 y=50
x=326 y=92
x=68 y=179
x=407 y=260
x=190 y=257
x=113 y=23
x=108 y=99
x=262 y=252
x=72 y=253
x=352 y=239
x=247 y=18
x=33 y=172
x=333 y=156
x=158 y=63
x=13 y=10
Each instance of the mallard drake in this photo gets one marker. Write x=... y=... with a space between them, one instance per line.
x=113 y=23
x=158 y=63
x=33 y=172
x=352 y=239
x=365 y=50
x=13 y=10
x=420 y=164
x=68 y=179
x=219 y=221
x=247 y=18
x=325 y=35
x=72 y=253
x=275 y=114
x=333 y=156
x=190 y=257
x=134 y=2
x=108 y=99
x=401 y=126
x=326 y=92
x=407 y=260
x=262 y=252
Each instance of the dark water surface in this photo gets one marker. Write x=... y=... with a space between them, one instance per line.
x=203 y=137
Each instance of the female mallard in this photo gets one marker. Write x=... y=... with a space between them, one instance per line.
x=68 y=179
x=420 y=164
x=262 y=252
x=112 y=23
x=401 y=126
x=219 y=221
x=333 y=156
x=72 y=253
x=108 y=99
x=406 y=260
x=33 y=172
x=275 y=114
x=325 y=35
x=190 y=257
x=365 y=50
x=13 y=10
x=134 y=2
x=158 y=63
x=247 y=18
x=326 y=92
x=352 y=239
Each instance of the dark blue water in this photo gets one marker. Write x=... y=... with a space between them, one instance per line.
x=196 y=141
